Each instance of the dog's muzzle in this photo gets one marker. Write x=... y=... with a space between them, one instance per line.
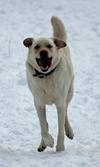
x=44 y=61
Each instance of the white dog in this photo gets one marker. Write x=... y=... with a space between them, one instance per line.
x=50 y=79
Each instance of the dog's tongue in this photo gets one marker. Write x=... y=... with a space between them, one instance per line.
x=46 y=62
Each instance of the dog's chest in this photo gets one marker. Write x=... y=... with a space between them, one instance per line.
x=50 y=89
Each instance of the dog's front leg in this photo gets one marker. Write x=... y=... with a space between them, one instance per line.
x=47 y=139
x=61 y=122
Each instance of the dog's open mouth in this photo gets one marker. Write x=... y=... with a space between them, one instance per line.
x=44 y=63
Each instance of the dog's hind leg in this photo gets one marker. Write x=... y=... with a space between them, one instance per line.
x=68 y=129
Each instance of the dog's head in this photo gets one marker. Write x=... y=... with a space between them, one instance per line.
x=43 y=52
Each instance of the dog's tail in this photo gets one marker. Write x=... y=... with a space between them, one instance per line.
x=58 y=28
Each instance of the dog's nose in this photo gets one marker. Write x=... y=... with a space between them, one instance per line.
x=43 y=54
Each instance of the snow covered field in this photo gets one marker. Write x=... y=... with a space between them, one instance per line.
x=19 y=127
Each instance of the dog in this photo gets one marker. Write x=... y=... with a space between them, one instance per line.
x=50 y=79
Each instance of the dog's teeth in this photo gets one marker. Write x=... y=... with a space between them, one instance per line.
x=45 y=68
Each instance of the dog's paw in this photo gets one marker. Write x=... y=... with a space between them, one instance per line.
x=48 y=140
x=69 y=133
x=41 y=148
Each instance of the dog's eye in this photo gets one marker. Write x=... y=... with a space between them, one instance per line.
x=37 y=47
x=49 y=46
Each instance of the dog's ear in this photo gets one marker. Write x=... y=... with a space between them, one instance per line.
x=59 y=43
x=28 y=42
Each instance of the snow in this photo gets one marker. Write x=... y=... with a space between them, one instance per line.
x=19 y=126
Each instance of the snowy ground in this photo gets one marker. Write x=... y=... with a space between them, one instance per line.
x=19 y=127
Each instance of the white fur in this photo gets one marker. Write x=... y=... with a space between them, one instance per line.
x=56 y=88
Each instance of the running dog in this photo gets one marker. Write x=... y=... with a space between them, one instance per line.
x=50 y=79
